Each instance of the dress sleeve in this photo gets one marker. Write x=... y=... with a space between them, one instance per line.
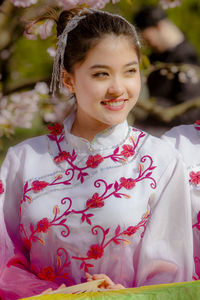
x=16 y=279
x=166 y=254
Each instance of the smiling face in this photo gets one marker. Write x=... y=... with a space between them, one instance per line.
x=106 y=85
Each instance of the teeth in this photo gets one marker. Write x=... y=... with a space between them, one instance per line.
x=114 y=103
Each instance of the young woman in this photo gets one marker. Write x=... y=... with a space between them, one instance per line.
x=95 y=197
x=186 y=138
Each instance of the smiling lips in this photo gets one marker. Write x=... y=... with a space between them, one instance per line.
x=114 y=104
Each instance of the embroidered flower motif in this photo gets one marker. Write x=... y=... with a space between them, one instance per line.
x=56 y=129
x=43 y=225
x=47 y=273
x=194 y=178
x=127 y=183
x=96 y=252
x=62 y=156
x=1 y=187
x=197 y=125
x=95 y=201
x=197 y=122
x=128 y=151
x=38 y=185
x=27 y=243
x=131 y=230
x=94 y=161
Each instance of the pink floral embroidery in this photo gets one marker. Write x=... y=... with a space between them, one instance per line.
x=197 y=264
x=1 y=188
x=47 y=273
x=197 y=125
x=38 y=185
x=96 y=251
x=94 y=161
x=127 y=183
x=56 y=129
x=43 y=225
x=197 y=225
x=95 y=201
x=128 y=151
x=62 y=156
x=194 y=178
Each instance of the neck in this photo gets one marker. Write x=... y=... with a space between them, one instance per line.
x=87 y=130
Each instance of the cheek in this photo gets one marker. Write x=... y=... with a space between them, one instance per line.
x=134 y=87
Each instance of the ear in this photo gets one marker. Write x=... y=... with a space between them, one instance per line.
x=68 y=81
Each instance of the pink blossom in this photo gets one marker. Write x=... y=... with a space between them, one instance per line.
x=56 y=129
x=96 y=251
x=23 y=3
x=43 y=225
x=62 y=156
x=170 y=3
x=94 y=161
x=95 y=201
x=1 y=187
x=194 y=178
x=128 y=151
x=38 y=185
x=68 y=4
x=127 y=183
x=47 y=273
x=42 y=29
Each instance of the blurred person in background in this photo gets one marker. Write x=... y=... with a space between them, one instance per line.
x=175 y=75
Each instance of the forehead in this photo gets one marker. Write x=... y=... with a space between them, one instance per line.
x=112 y=49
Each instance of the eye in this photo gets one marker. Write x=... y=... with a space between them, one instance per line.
x=131 y=71
x=100 y=74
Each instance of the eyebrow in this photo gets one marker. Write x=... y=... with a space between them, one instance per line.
x=106 y=67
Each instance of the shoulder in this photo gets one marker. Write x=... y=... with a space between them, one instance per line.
x=182 y=133
x=161 y=152
x=32 y=145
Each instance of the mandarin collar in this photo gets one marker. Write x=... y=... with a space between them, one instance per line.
x=109 y=138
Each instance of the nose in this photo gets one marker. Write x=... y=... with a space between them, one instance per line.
x=115 y=87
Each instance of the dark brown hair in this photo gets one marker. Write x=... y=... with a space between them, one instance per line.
x=89 y=31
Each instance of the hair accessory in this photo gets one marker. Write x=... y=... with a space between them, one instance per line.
x=60 y=52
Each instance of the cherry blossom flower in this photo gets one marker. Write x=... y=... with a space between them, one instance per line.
x=18 y=109
x=38 y=185
x=68 y=4
x=1 y=187
x=94 y=161
x=23 y=3
x=95 y=201
x=42 y=29
x=170 y=3
x=96 y=251
x=43 y=225
x=128 y=151
x=194 y=178
x=51 y=51
x=56 y=129
x=42 y=88
x=127 y=183
x=47 y=273
x=62 y=156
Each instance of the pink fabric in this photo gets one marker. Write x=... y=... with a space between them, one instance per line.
x=16 y=281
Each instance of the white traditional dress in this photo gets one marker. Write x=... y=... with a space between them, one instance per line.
x=186 y=138
x=119 y=206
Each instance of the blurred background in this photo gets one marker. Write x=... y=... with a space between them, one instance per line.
x=169 y=67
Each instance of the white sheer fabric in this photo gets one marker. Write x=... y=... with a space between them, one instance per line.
x=119 y=206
